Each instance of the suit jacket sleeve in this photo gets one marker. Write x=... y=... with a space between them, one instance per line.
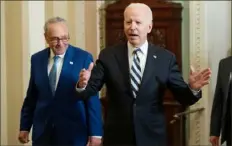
x=179 y=88
x=216 y=114
x=29 y=104
x=93 y=109
x=96 y=80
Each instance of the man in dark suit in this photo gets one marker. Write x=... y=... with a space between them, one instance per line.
x=136 y=75
x=222 y=105
x=51 y=105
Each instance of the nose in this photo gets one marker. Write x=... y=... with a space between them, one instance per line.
x=133 y=25
x=59 y=41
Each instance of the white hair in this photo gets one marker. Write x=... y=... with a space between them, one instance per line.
x=54 y=20
x=141 y=5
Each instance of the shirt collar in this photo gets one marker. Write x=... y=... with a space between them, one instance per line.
x=143 y=47
x=52 y=54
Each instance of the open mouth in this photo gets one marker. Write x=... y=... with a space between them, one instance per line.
x=133 y=35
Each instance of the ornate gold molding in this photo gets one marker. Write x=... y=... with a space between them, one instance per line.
x=195 y=60
x=102 y=33
x=198 y=65
x=102 y=22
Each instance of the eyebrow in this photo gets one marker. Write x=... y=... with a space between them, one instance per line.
x=60 y=36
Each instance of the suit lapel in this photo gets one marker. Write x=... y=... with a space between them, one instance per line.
x=149 y=69
x=227 y=88
x=122 y=58
x=66 y=68
x=44 y=68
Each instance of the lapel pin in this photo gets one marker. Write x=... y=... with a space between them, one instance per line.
x=71 y=62
x=154 y=56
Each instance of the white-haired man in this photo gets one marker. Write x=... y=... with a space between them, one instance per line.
x=136 y=74
x=51 y=105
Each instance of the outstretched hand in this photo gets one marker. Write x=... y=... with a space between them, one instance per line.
x=199 y=79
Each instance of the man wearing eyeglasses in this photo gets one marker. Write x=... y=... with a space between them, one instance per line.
x=51 y=105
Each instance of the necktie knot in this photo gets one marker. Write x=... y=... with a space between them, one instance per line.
x=56 y=58
x=135 y=54
x=136 y=51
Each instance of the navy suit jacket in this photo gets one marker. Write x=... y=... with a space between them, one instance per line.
x=139 y=121
x=74 y=119
x=222 y=111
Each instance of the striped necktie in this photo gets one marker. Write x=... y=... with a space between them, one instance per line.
x=135 y=73
x=53 y=74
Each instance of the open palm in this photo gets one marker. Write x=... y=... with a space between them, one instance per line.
x=199 y=79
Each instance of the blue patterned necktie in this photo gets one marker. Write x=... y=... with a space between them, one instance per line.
x=135 y=73
x=53 y=74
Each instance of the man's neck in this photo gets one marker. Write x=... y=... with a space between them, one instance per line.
x=137 y=46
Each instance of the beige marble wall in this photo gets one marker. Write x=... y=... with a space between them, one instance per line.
x=14 y=73
x=3 y=79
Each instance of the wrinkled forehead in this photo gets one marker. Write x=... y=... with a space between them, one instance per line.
x=136 y=13
x=57 y=29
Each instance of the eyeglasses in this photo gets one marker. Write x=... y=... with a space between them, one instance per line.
x=57 y=39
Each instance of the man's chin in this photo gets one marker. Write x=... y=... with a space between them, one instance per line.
x=134 y=42
x=59 y=52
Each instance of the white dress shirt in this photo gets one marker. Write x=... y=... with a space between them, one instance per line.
x=141 y=54
x=59 y=65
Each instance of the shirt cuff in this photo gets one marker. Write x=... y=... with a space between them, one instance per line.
x=96 y=136
x=79 y=89
x=195 y=92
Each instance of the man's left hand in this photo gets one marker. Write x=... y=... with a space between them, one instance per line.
x=94 y=141
x=199 y=79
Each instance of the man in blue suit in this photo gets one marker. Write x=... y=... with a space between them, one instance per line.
x=51 y=105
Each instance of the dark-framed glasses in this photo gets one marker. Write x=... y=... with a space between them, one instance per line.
x=57 y=39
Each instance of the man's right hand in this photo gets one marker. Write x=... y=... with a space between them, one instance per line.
x=23 y=137
x=214 y=140
x=84 y=76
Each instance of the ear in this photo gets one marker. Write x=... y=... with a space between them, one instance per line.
x=150 y=27
x=45 y=36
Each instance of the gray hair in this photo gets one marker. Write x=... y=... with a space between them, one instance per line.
x=54 y=20
x=142 y=5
